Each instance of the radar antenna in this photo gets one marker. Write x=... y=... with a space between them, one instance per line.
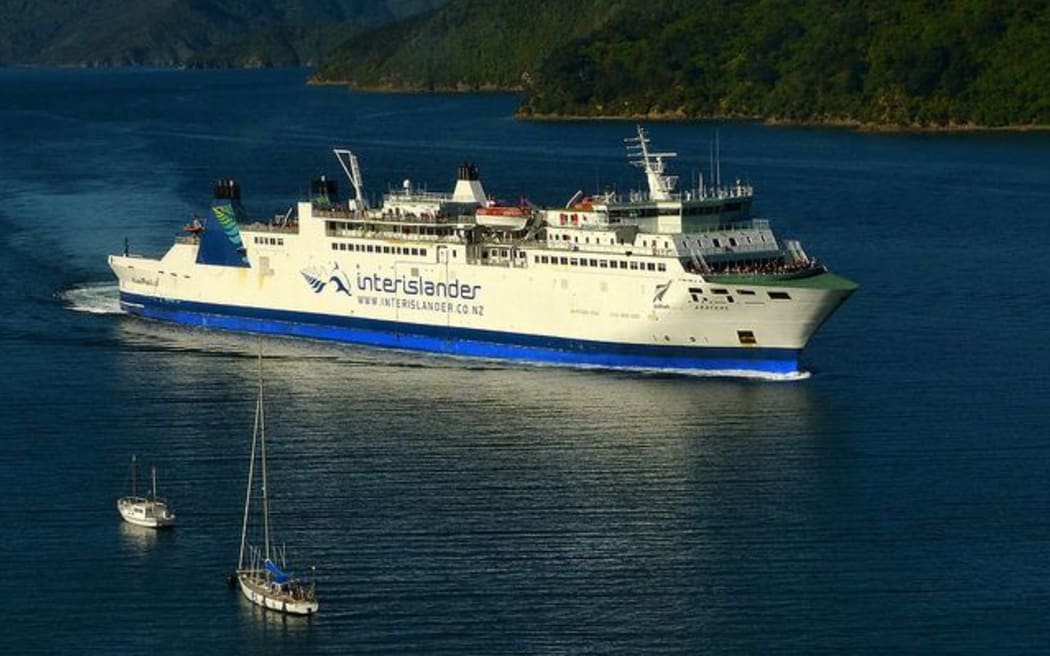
x=660 y=186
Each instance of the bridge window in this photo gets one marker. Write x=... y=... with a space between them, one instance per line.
x=779 y=296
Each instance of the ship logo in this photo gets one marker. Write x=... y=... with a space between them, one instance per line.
x=660 y=291
x=227 y=219
x=319 y=278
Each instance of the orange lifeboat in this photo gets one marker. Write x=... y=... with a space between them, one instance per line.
x=505 y=217
x=502 y=210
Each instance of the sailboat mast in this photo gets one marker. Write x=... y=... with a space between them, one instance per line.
x=248 y=493
x=153 y=474
x=262 y=446
x=132 y=475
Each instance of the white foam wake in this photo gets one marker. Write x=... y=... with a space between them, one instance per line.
x=93 y=298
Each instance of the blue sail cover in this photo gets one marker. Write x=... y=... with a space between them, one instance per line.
x=278 y=575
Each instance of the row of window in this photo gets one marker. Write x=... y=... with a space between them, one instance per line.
x=715 y=241
x=501 y=253
x=586 y=240
x=698 y=210
x=632 y=265
x=268 y=241
x=697 y=292
x=372 y=248
x=342 y=226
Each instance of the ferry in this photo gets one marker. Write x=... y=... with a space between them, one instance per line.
x=652 y=279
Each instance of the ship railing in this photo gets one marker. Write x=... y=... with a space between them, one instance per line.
x=415 y=194
x=272 y=227
x=706 y=193
x=618 y=249
x=396 y=236
x=750 y=224
x=395 y=218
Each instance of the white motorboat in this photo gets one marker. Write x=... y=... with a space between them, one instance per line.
x=150 y=511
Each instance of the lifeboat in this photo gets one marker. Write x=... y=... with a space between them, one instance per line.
x=505 y=217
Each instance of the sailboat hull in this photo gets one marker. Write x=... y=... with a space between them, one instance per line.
x=266 y=595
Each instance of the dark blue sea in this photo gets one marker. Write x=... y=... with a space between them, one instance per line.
x=894 y=501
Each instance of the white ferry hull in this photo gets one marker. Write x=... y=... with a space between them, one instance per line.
x=462 y=341
x=530 y=315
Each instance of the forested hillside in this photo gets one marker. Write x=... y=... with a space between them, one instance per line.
x=891 y=62
x=466 y=45
x=187 y=32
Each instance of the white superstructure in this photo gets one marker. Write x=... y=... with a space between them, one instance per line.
x=658 y=279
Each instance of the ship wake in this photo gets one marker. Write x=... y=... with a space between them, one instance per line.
x=93 y=298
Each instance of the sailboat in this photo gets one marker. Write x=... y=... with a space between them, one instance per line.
x=150 y=511
x=261 y=579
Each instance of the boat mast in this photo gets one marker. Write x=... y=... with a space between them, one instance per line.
x=251 y=476
x=132 y=474
x=153 y=473
x=262 y=450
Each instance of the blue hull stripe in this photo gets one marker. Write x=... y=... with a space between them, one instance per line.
x=461 y=341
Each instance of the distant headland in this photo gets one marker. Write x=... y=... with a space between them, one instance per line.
x=887 y=65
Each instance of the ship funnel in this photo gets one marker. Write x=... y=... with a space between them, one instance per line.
x=468 y=185
x=220 y=236
x=467 y=171
x=227 y=189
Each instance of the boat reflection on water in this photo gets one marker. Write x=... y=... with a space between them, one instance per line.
x=253 y=617
x=140 y=539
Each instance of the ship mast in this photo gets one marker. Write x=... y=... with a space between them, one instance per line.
x=660 y=186
x=352 y=169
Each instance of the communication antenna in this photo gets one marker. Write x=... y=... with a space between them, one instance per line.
x=711 y=156
x=718 y=161
x=660 y=186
